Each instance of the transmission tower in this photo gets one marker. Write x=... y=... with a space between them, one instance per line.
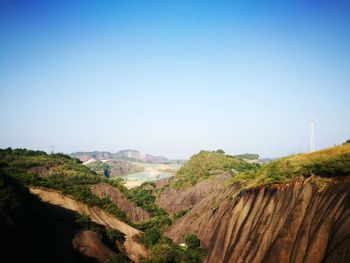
x=312 y=135
x=52 y=149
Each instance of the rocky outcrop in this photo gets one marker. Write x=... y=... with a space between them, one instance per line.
x=124 y=155
x=162 y=182
x=119 y=168
x=133 y=249
x=175 y=200
x=113 y=168
x=89 y=244
x=134 y=212
x=291 y=222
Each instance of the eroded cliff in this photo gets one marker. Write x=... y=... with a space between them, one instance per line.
x=290 y=222
x=134 y=212
x=174 y=200
x=133 y=249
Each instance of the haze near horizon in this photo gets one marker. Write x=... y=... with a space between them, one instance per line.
x=174 y=77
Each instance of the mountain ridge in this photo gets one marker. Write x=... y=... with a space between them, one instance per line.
x=122 y=155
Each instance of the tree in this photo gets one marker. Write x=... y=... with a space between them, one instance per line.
x=151 y=236
x=220 y=151
x=192 y=241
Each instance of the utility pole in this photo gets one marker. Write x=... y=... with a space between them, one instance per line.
x=312 y=134
x=52 y=149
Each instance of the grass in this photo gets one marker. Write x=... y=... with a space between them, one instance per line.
x=207 y=164
x=326 y=163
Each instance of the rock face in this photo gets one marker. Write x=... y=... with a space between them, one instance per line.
x=113 y=168
x=85 y=156
x=124 y=155
x=133 y=155
x=292 y=222
x=119 y=168
x=173 y=200
x=134 y=212
x=89 y=244
x=133 y=249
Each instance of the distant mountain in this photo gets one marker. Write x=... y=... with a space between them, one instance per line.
x=85 y=156
x=124 y=155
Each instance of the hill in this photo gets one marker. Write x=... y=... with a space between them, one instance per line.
x=101 y=206
x=35 y=231
x=123 y=155
x=207 y=164
x=329 y=162
x=204 y=173
x=295 y=209
x=113 y=168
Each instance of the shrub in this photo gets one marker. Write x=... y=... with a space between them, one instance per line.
x=181 y=213
x=192 y=241
x=151 y=236
x=114 y=235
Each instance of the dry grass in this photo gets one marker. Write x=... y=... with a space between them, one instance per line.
x=329 y=162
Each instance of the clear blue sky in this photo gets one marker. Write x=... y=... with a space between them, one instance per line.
x=174 y=77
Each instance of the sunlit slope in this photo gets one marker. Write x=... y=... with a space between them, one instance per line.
x=329 y=162
x=206 y=164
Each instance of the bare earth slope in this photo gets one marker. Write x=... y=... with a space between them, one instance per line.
x=133 y=249
x=174 y=200
x=89 y=243
x=291 y=222
x=134 y=212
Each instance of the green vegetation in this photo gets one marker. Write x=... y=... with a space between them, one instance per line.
x=181 y=213
x=329 y=162
x=23 y=160
x=167 y=252
x=144 y=198
x=67 y=175
x=206 y=164
x=321 y=183
x=15 y=199
x=162 y=249
x=192 y=241
x=248 y=156
x=11 y=195
x=151 y=236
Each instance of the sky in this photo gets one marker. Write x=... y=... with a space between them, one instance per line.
x=174 y=77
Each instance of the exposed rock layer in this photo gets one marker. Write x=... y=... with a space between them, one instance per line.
x=292 y=222
x=134 y=212
x=133 y=249
x=174 y=200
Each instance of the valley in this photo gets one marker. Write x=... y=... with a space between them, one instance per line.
x=213 y=208
x=133 y=167
x=150 y=172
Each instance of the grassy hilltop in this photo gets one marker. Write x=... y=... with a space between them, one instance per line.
x=326 y=163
